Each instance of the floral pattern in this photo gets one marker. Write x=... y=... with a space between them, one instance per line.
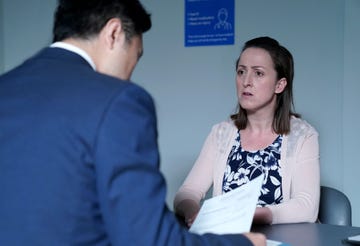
x=243 y=166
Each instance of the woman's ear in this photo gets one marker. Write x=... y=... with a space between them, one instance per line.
x=280 y=85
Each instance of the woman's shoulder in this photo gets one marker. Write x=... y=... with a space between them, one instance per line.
x=223 y=129
x=300 y=126
x=226 y=125
x=222 y=134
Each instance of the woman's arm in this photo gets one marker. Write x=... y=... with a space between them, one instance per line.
x=304 y=193
x=198 y=181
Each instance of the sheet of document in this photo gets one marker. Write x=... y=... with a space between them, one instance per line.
x=354 y=240
x=231 y=212
x=275 y=243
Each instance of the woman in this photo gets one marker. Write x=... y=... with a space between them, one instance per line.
x=264 y=136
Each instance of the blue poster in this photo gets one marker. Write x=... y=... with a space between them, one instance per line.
x=209 y=22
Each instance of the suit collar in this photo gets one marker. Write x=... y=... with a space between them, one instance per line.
x=63 y=55
x=76 y=50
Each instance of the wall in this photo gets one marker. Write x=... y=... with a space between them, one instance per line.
x=194 y=88
x=27 y=28
x=350 y=107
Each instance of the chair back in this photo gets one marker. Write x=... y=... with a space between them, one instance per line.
x=335 y=207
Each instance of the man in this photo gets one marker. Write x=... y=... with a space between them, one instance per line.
x=79 y=161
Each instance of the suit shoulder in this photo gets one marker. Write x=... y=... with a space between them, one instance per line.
x=136 y=93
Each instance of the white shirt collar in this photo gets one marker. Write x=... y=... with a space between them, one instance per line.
x=76 y=50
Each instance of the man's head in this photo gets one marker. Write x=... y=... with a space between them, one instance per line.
x=109 y=30
x=85 y=19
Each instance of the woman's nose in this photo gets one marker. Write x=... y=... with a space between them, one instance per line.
x=247 y=80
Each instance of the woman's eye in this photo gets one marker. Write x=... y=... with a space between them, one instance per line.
x=259 y=73
x=240 y=72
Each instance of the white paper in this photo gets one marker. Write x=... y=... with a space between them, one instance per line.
x=231 y=212
x=275 y=243
x=355 y=238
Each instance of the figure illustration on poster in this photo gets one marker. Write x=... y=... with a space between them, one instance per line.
x=223 y=24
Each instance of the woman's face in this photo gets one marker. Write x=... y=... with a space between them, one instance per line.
x=256 y=80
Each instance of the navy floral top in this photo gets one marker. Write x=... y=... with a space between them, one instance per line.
x=243 y=166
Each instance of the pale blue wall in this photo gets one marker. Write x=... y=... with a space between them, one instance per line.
x=27 y=28
x=350 y=106
x=194 y=88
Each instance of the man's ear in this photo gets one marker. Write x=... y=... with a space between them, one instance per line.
x=112 y=33
x=280 y=85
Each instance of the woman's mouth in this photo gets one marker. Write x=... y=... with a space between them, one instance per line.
x=247 y=94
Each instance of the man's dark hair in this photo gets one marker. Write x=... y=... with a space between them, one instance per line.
x=85 y=18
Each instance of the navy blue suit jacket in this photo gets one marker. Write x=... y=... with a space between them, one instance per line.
x=79 y=161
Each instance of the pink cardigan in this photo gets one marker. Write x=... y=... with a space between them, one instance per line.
x=299 y=164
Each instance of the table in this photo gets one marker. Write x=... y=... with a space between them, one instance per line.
x=308 y=234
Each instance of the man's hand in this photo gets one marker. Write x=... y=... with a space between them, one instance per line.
x=188 y=210
x=262 y=215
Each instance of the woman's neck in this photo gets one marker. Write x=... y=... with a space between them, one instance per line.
x=258 y=134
